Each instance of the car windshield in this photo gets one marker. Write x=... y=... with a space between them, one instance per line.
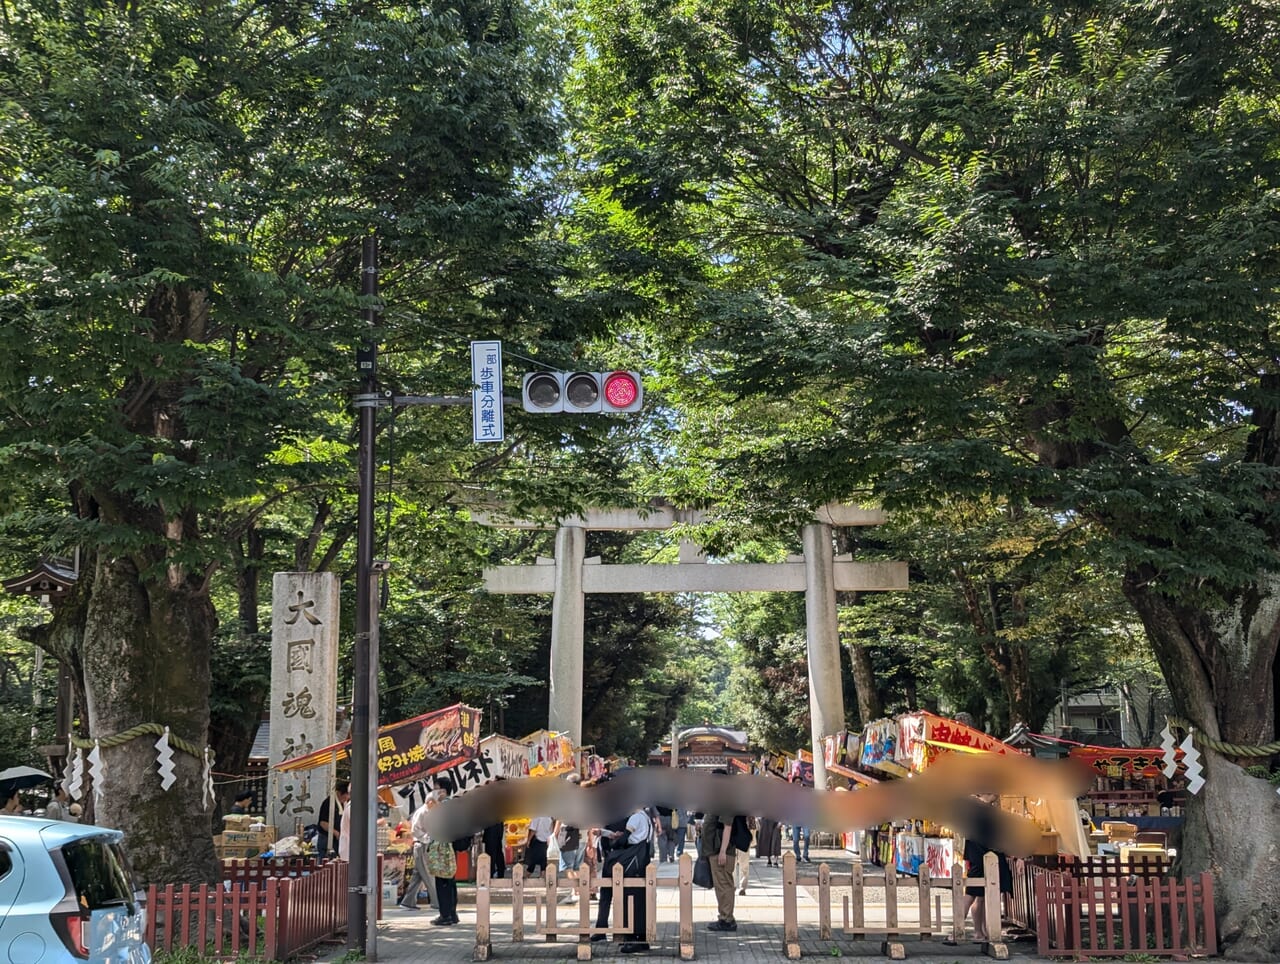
x=99 y=874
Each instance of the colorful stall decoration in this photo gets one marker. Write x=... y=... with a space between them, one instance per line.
x=549 y=753
x=924 y=736
x=411 y=749
x=939 y=856
x=879 y=743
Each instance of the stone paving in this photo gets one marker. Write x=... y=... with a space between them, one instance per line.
x=407 y=937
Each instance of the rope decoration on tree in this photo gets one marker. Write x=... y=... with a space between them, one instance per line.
x=1220 y=746
x=142 y=729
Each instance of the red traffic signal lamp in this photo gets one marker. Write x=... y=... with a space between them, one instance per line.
x=549 y=392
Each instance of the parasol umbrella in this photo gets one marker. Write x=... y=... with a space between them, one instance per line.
x=21 y=778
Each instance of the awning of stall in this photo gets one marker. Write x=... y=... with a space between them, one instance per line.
x=850 y=774
x=411 y=749
x=1116 y=761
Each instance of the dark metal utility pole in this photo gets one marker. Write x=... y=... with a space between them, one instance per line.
x=363 y=794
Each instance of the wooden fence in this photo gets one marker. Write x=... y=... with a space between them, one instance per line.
x=1021 y=907
x=936 y=912
x=1113 y=917
x=264 y=910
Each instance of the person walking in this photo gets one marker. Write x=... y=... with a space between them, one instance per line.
x=679 y=829
x=769 y=841
x=667 y=821
x=535 y=848
x=57 y=808
x=797 y=833
x=631 y=848
x=418 y=830
x=442 y=864
x=716 y=844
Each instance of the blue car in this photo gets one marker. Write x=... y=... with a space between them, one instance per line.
x=67 y=895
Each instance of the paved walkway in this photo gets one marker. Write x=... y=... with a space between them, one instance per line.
x=406 y=937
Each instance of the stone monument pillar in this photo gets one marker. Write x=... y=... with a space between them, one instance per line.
x=304 y=692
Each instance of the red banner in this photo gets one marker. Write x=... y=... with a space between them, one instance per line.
x=1119 y=760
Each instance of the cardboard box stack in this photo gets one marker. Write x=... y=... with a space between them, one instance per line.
x=243 y=836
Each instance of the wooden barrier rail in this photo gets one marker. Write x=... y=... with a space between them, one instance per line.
x=929 y=921
x=1021 y=908
x=254 y=913
x=1112 y=917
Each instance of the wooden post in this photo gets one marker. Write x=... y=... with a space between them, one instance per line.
x=858 y=898
x=651 y=903
x=991 y=871
x=957 y=902
x=517 y=903
x=553 y=901
x=824 y=902
x=621 y=923
x=894 y=950
x=483 y=949
x=584 y=913
x=926 y=919
x=790 y=925
x=686 y=908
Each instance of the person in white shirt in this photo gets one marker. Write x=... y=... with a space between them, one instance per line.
x=633 y=848
x=535 y=850
x=418 y=830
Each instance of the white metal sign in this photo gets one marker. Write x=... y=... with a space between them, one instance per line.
x=486 y=391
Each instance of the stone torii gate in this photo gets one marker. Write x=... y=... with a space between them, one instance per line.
x=818 y=573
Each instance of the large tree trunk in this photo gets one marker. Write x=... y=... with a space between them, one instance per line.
x=1220 y=668
x=146 y=657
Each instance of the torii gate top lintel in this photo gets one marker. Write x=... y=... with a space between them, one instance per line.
x=663 y=516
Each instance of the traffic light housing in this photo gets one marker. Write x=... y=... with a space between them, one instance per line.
x=550 y=391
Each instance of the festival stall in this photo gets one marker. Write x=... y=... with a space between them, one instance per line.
x=910 y=744
x=408 y=752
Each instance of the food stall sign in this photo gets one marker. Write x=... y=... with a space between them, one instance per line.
x=549 y=753
x=1116 y=761
x=411 y=749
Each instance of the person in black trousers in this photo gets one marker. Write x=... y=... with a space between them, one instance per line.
x=632 y=844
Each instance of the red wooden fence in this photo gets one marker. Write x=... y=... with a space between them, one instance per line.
x=1113 y=917
x=255 y=913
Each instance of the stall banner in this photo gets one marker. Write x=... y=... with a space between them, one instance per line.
x=742 y=766
x=596 y=767
x=853 y=747
x=778 y=764
x=510 y=757
x=939 y=856
x=806 y=756
x=833 y=748
x=801 y=772
x=1116 y=761
x=908 y=852
x=911 y=751
x=498 y=757
x=879 y=742
x=427 y=744
x=411 y=749
x=947 y=734
x=549 y=753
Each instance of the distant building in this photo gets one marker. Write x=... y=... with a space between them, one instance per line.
x=704 y=747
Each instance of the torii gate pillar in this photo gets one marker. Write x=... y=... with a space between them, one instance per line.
x=826 y=696
x=568 y=611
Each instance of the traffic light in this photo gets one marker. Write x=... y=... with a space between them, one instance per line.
x=546 y=392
